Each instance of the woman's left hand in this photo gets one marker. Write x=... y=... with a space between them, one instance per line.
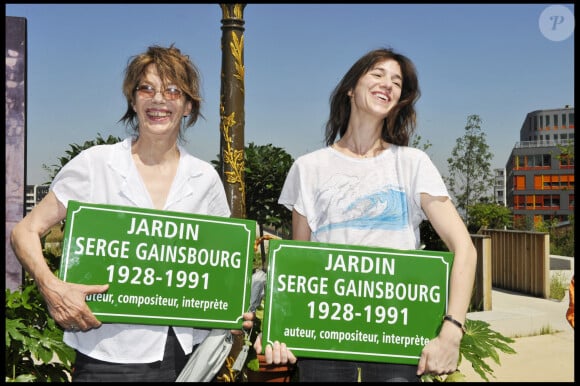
x=441 y=355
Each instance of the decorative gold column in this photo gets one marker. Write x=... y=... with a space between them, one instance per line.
x=232 y=118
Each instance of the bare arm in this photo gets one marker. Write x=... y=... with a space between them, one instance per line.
x=65 y=301
x=300 y=227
x=441 y=354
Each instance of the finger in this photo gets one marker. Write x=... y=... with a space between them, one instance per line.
x=276 y=352
x=258 y=344
x=268 y=354
x=94 y=289
x=421 y=365
x=291 y=358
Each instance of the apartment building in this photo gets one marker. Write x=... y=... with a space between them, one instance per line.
x=540 y=172
x=34 y=193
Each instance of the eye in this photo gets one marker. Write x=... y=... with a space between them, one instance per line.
x=172 y=90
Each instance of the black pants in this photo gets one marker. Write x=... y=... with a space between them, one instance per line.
x=87 y=369
x=321 y=370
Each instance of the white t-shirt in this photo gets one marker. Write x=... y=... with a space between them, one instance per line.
x=106 y=174
x=363 y=201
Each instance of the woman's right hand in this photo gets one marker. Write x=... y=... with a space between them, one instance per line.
x=277 y=354
x=67 y=306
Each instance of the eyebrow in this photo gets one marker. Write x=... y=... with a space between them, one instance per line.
x=383 y=71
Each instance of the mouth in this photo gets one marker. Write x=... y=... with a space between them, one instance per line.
x=382 y=96
x=158 y=114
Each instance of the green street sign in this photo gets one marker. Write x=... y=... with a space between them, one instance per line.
x=162 y=267
x=350 y=302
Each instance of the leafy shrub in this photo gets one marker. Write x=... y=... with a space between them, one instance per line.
x=35 y=351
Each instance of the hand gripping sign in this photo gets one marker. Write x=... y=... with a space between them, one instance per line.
x=162 y=267
x=358 y=303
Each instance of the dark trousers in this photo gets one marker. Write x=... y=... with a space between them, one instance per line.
x=87 y=369
x=322 y=370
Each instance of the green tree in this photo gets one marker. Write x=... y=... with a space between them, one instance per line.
x=470 y=178
x=266 y=167
x=74 y=150
x=489 y=215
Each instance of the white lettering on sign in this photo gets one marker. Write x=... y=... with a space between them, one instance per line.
x=363 y=264
x=90 y=246
x=303 y=284
x=167 y=229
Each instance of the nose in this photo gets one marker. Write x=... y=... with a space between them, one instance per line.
x=158 y=92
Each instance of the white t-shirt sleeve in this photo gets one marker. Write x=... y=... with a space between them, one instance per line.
x=291 y=196
x=73 y=180
x=427 y=179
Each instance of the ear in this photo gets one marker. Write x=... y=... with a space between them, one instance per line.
x=188 y=107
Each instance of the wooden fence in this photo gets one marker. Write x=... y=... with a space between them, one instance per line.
x=517 y=261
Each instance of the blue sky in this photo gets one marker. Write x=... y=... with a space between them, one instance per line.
x=493 y=60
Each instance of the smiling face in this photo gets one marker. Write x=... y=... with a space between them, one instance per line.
x=378 y=90
x=158 y=114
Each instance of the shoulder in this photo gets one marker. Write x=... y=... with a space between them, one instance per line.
x=314 y=156
x=192 y=163
x=411 y=154
x=107 y=148
x=408 y=151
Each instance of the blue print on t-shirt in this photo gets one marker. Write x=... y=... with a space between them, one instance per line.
x=381 y=210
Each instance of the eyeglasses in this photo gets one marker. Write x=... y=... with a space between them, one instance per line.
x=147 y=91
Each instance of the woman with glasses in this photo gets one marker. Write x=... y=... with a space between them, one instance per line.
x=367 y=187
x=149 y=169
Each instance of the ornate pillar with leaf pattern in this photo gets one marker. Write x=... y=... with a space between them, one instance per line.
x=232 y=118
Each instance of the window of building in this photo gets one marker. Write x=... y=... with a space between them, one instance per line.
x=547 y=122
x=571 y=201
x=546 y=160
x=571 y=120
x=519 y=202
x=556 y=121
x=566 y=161
x=520 y=182
x=541 y=122
x=564 y=120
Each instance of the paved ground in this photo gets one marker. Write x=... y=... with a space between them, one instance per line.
x=538 y=358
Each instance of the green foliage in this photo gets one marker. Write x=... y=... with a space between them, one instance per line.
x=470 y=178
x=558 y=286
x=480 y=343
x=74 y=150
x=266 y=167
x=561 y=239
x=489 y=215
x=430 y=239
x=416 y=143
x=35 y=351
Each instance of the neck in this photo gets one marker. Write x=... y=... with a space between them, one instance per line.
x=361 y=148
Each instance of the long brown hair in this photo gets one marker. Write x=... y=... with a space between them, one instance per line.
x=400 y=123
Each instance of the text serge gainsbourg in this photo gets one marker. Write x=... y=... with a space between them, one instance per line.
x=170 y=230
x=359 y=288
